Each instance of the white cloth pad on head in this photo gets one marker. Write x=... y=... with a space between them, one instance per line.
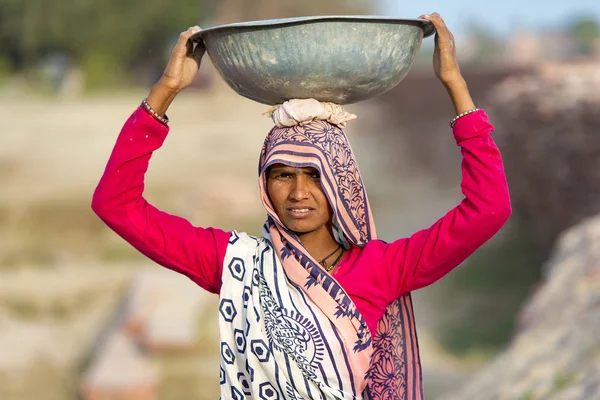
x=303 y=111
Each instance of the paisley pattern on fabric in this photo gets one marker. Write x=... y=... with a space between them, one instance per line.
x=390 y=376
x=288 y=331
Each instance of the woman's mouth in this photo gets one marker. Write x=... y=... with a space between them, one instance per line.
x=300 y=212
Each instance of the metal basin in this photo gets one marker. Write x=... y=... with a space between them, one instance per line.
x=341 y=59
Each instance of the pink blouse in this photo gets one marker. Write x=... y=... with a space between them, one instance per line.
x=373 y=276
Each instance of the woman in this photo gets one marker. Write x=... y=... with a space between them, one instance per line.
x=316 y=307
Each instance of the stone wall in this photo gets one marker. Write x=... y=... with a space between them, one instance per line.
x=556 y=352
x=547 y=128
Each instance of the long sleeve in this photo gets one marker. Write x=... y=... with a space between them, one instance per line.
x=429 y=254
x=168 y=240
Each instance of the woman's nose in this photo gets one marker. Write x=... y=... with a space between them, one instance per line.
x=300 y=188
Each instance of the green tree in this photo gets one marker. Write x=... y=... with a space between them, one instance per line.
x=114 y=39
x=585 y=31
x=108 y=36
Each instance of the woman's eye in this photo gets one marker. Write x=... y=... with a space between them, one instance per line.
x=316 y=176
x=285 y=175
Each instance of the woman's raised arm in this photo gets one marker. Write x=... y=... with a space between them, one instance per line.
x=118 y=199
x=180 y=71
x=429 y=254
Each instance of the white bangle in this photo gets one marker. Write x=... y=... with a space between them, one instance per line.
x=462 y=115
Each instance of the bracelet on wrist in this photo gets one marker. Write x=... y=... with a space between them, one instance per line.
x=163 y=120
x=459 y=116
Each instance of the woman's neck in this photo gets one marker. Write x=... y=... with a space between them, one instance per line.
x=319 y=244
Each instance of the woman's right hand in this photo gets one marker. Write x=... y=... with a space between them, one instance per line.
x=179 y=73
x=184 y=62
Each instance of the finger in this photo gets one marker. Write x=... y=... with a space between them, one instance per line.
x=186 y=35
x=182 y=48
x=442 y=30
x=197 y=48
x=440 y=22
x=437 y=16
x=436 y=19
x=199 y=51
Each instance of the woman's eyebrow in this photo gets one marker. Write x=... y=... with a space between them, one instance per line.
x=277 y=170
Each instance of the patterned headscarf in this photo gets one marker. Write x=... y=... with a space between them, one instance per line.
x=386 y=365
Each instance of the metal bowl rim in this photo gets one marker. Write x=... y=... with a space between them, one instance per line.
x=428 y=28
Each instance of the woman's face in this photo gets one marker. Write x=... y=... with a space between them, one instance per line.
x=298 y=198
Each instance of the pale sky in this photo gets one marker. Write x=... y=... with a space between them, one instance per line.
x=501 y=16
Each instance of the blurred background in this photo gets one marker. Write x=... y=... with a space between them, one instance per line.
x=82 y=315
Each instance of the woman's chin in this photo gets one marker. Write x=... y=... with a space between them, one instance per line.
x=301 y=227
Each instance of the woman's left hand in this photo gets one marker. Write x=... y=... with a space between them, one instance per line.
x=446 y=67
x=445 y=63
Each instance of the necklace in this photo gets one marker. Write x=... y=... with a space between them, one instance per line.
x=335 y=262
x=323 y=263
